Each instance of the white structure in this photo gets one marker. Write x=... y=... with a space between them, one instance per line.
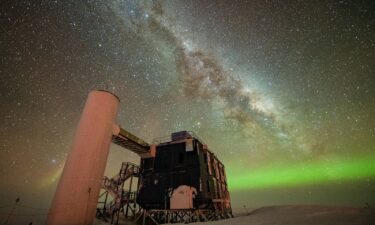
x=77 y=193
x=182 y=197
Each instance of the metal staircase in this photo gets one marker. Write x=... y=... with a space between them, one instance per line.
x=114 y=199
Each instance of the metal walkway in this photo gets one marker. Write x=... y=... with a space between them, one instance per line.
x=131 y=142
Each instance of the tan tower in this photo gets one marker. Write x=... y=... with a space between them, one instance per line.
x=77 y=193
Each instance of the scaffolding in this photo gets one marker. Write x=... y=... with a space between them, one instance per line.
x=114 y=199
x=162 y=216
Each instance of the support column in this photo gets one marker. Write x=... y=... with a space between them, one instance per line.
x=77 y=193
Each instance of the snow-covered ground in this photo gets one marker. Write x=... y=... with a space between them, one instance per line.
x=300 y=215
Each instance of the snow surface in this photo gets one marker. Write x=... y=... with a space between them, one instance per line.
x=298 y=215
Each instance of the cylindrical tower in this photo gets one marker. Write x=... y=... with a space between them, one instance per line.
x=77 y=193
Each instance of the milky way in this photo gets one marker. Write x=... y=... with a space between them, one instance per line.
x=283 y=93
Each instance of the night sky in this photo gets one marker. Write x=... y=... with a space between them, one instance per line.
x=282 y=92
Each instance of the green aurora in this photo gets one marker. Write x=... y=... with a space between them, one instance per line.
x=315 y=172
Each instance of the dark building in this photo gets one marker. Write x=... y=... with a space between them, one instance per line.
x=183 y=174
